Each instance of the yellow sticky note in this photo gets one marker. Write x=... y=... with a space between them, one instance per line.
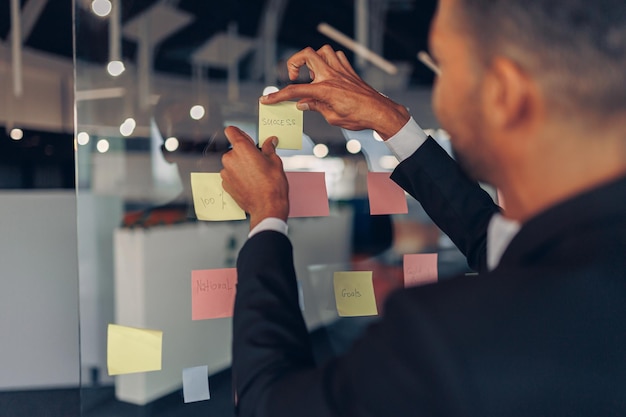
x=282 y=120
x=354 y=294
x=130 y=349
x=210 y=201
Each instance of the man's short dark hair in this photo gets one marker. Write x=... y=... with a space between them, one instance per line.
x=576 y=49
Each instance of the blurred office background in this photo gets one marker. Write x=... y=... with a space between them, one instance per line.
x=102 y=106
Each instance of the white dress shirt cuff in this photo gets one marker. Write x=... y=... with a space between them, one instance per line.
x=404 y=143
x=500 y=232
x=270 y=223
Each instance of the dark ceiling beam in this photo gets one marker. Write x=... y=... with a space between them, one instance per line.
x=16 y=47
x=265 y=56
x=30 y=15
x=22 y=23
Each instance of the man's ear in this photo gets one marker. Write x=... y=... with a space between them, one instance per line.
x=511 y=98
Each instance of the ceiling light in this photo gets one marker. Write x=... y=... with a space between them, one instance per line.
x=128 y=127
x=102 y=146
x=389 y=162
x=115 y=68
x=82 y=138
x=353 y=146
x=171 y=144
x=16 y=134
x=269 y=90
x=197 y=112
x=101 y=8
x=320 y=150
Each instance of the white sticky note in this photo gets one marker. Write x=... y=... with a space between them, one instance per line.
x=196 y=384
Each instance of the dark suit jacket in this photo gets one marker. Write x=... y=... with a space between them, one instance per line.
x=544 y=334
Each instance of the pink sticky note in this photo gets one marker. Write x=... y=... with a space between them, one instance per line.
x=213 y=293
x=307 y=194
x=385 y=196
x=420 y=269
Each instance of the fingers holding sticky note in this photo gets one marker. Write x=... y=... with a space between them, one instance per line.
x=210 y=201
x=131 y=349
x=282 y=120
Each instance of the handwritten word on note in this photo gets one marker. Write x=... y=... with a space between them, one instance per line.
x=210 y=201
x=196 y=384
x=385 y=196
x=420 y=269
x=131 y=349
x=354 y=293
x=282 y=120
x=307 y=194
x=213 y=293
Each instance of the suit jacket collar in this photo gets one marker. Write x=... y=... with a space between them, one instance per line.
x=606 y=203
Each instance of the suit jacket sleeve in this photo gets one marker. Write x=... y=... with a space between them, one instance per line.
x=269 y=334
x=387 y=372
x=457 y=205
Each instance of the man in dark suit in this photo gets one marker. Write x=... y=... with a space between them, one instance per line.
x=533 y=95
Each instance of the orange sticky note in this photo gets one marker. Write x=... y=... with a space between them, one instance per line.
x=354 y=294
x=420 y=269
x=307 y=194
x=132 y=349
x=213 y=293
x=385 y=196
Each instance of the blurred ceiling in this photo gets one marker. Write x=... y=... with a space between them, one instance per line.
x=397 y=29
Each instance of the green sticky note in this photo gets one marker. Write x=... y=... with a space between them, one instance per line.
x=210 y=201
x=354 y=294
x=282 y=120
x=131 y=349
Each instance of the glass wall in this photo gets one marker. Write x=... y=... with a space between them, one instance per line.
x=156 y=83
x=39 y=341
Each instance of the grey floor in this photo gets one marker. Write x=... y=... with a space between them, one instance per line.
x=101 y=402
x=44 y=403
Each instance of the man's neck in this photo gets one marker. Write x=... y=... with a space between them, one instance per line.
x=559 y=169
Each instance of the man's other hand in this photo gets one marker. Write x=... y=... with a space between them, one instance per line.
x=255 y=179
x=339 y=94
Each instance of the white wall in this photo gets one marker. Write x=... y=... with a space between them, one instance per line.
x=97 y=217
x=38 y=290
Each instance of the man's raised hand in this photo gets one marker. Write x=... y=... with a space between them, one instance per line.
x=255 y=179
x=339 y=94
